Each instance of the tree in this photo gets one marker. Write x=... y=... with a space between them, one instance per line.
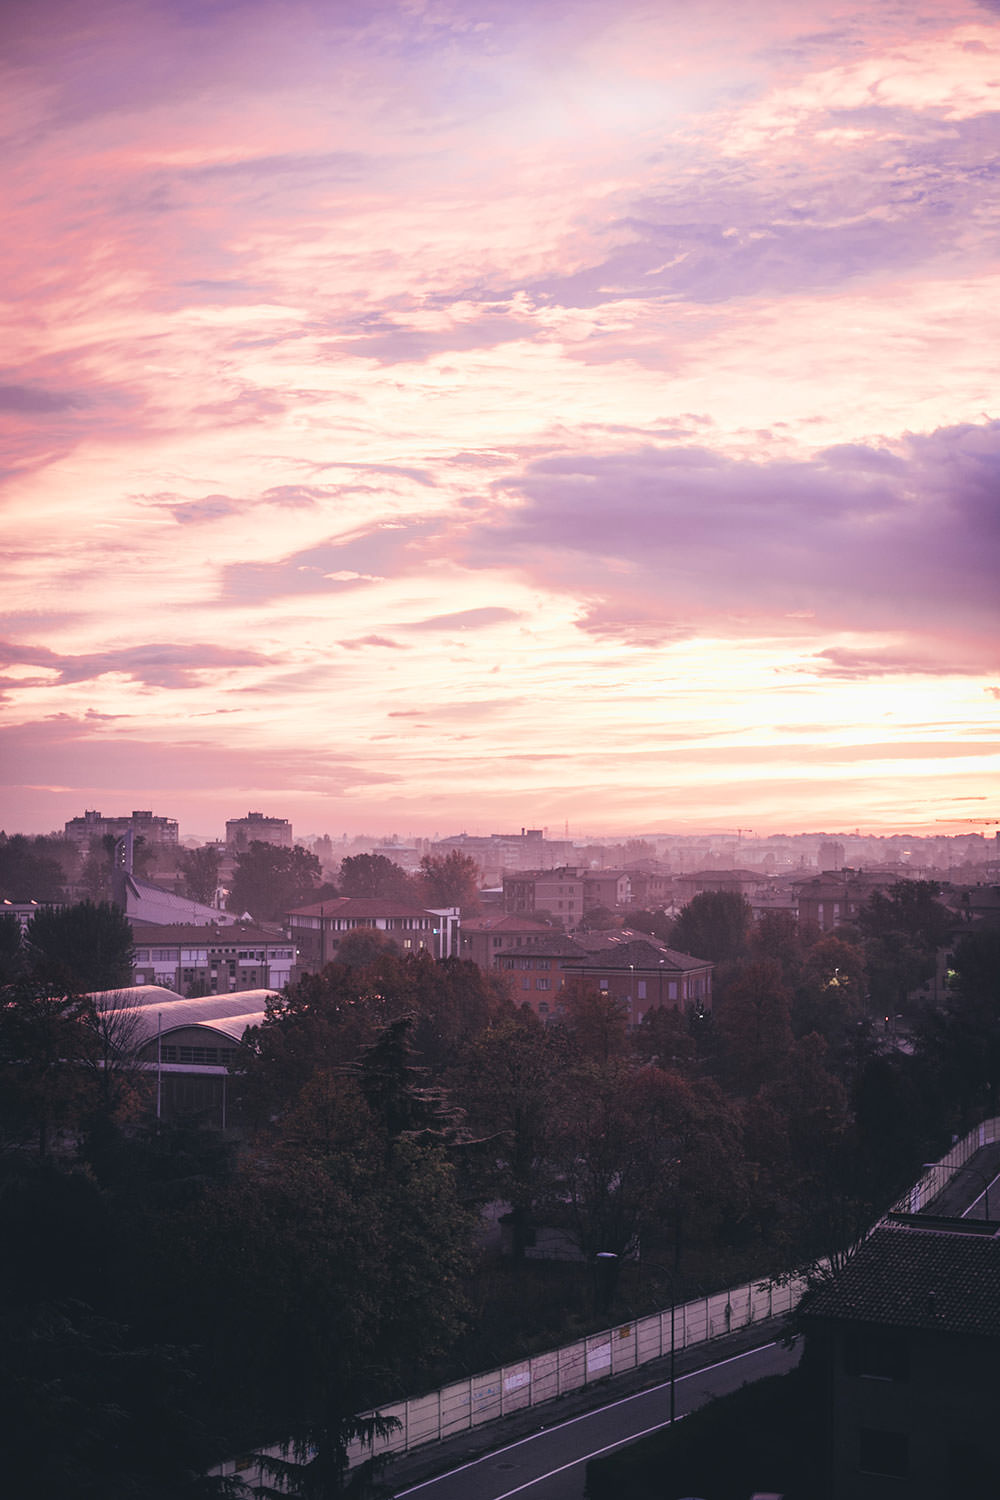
x=81 y=948
x=43 y=1042
x=596 y=1021
x=30 y=869
x=508 y=1081
x=714 y=925
x=451 y=879
x=902 y=929
x=754 y=1023
x=829 y=998
x=200 y=869
x=11 y=953
x=371 y=876
x=269 y=881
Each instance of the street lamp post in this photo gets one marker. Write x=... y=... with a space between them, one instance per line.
x=673 y=1337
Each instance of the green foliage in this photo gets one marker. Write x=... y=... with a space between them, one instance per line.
x=509 y=1079
x=31 y=869
x=902 y=931
x=200 y=869
x=450 y=880
x=43 y=1041
x=370 y=876
x=713 y=924
x=655 y=923
x=269 y=881
x=81 y=948
x=11 y=952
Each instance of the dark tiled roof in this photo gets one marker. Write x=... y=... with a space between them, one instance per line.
x=158 y=934
x=503 y=924
x=555 y=946
x=641 y=954
x=914 y=1278
x=361 y=907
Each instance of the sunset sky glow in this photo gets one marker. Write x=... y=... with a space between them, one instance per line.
x=439 y=415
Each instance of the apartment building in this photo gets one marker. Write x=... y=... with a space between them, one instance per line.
x=197 y=960
x=318 y=930
x=140 y=824
x=255 y=828
x=559 y=892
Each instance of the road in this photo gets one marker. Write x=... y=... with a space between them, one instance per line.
x=550 y=1465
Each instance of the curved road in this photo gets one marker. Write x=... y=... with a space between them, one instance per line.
x=551 y=1464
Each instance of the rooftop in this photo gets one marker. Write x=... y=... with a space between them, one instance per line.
x=941 y=1279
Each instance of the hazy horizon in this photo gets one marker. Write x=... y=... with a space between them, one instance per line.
x=577 y=410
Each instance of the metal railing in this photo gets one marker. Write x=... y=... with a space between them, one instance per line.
x=472 y=1402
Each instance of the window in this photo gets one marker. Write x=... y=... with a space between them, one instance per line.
x=641 y=987
x=883 y=1452
x=543 y=984
x=671 y=989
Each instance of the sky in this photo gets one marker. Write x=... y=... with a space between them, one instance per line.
x=427 y=415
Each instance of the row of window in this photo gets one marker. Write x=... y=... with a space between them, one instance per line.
x=216 y=1057
x=201 y=955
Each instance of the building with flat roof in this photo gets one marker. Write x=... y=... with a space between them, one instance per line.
x=318 y=930
x=141 y=824
x=255 y=828
x=198 y=960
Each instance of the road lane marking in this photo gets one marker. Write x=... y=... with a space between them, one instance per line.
x=569 y=1422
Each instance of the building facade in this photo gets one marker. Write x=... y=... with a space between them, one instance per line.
x=485 y=938
x=255 y=828
x=640 y=974
x=141 y=824
x=318 y=930
x=559 y=892
x=203 y=961
x=907 y=1343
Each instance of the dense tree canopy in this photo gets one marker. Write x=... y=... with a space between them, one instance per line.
x=450 y=880
x=713 y=924
x=269 y=882
x=31 y=868
x=83 y=947
x=200 y=870
x=367 y=876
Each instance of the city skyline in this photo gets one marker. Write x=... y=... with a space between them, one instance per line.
x=555 y=414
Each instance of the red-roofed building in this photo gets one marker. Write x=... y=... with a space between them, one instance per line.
x=485 y=938
x=318 y=930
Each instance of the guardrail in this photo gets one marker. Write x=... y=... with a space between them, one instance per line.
x=469 y=1403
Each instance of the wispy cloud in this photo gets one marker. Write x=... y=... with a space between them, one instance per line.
x=636 y=360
